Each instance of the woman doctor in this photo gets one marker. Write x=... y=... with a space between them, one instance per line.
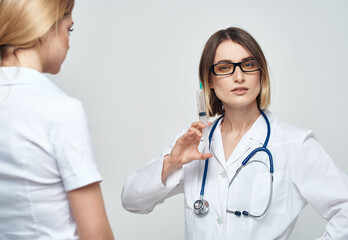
x=49 y=181
x=225 y=199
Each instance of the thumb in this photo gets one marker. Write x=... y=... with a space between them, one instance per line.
x=203 y=156
x=206 y=155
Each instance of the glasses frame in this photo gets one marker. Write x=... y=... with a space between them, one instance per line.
x=235 y=65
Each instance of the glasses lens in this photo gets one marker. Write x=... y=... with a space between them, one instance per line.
x=223 y=68
x=250 y=65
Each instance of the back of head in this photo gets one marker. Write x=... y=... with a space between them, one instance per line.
x=24 y=23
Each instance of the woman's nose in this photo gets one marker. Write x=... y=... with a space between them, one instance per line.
x=238 y=75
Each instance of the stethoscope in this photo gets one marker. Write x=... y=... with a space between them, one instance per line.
x=201 y=206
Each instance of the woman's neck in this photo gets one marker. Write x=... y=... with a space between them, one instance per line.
x=240 y=119
x=28 y=58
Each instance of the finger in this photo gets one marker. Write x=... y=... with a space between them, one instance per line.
x=202 y=156
x=190 y=137
x=192 y=133
x=207 y=155
x=193 y=139
x=196 y=131
x=197 y=139
x=198 y=124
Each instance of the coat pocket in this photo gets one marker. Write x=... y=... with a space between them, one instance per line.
x=261 y=192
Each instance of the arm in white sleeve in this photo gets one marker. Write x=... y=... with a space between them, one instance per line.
x=323 y=185
x=144 y=189
x=73 y=147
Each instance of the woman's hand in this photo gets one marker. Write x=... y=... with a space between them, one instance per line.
x=185 y=150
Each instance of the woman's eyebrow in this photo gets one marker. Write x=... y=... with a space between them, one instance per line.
x=242 y=60
x=247 y=58
x=224 y=61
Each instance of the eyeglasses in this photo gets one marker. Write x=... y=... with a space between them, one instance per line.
x=228 y=68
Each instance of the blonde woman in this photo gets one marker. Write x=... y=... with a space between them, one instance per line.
x=49 y=181
x=261 y=171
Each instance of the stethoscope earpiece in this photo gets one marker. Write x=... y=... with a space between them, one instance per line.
x=201 y=207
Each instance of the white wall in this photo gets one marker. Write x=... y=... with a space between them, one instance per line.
x=134 y=65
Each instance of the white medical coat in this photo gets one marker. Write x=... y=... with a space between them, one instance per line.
x=303 y=173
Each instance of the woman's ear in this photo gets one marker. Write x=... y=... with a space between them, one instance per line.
x=211 y=84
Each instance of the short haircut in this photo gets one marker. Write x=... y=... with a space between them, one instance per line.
x=240 y=36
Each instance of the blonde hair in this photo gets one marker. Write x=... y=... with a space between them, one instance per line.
x=240 y=36
x=24 y=23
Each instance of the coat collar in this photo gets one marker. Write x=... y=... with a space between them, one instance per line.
x=254 y=137
x=258 y=131
x=26 y=76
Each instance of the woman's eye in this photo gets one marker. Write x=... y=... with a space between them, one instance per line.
x=224 y=68
x=71 y=30
x=251 y=65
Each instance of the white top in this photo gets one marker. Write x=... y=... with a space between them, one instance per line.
x=45 y=151
x=303 y=173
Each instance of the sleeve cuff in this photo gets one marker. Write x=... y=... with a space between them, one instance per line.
x=173 y=178
x=82 y=179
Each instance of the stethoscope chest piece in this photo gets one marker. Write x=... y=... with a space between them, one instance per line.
x=201 y=207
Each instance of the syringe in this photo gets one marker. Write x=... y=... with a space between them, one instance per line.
x=203 y=117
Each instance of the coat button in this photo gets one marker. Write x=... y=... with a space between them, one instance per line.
x=219 y=220
x=223 y=174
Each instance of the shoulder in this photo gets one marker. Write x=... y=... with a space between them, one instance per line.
x=285 y=132
x=60 y=107
x=71 y=111
x=34 y=89
x=70 y=105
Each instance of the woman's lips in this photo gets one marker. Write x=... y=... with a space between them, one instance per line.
x=239 y=91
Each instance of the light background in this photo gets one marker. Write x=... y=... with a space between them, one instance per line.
x=134 y=65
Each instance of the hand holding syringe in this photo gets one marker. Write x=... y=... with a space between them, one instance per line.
x=185 y=149
x=203 y=117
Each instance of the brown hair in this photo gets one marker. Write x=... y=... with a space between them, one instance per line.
x=25 y=23
x=240 y=36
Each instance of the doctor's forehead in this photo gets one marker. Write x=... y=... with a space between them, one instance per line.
x=231 y=51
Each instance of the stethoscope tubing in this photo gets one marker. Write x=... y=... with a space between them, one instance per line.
x=245 y=161
x=207 y=160
x=269 y=196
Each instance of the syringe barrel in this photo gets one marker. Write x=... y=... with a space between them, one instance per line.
x=202 y=112
x=203 y=117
